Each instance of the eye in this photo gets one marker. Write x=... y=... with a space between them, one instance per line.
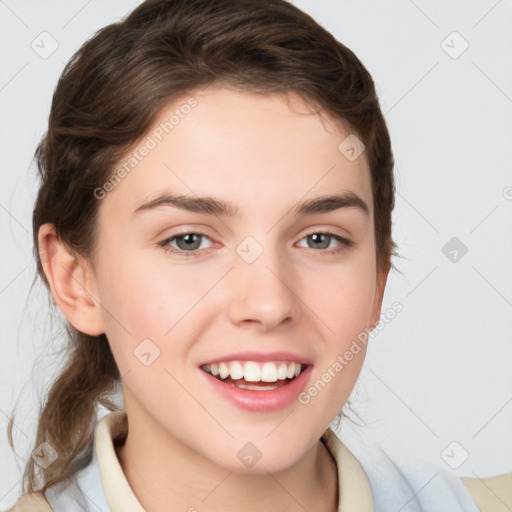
x=189 y=244
x=323 y=239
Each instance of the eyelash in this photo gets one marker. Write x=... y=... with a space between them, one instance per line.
x=345 y=244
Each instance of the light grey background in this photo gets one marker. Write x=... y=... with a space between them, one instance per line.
x=441 y=370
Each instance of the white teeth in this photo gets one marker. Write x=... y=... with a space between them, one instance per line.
x=236 y=370
x=252 y=371
x=269 y=372
x=252 y=387
x=282 y=371
x=223 y=370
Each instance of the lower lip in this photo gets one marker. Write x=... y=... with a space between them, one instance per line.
x=261 y=401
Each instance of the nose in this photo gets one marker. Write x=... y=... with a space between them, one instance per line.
x=262 y=293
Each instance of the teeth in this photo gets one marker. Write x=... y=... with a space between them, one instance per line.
x=223 y=370
x=268 y=372
x=252 y=371
x=282 y=371
x=236 y=370
x=252 y=387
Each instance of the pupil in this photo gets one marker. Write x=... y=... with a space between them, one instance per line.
x=188 y=241
x=315 y=240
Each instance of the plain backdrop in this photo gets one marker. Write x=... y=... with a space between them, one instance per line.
x=438 y=377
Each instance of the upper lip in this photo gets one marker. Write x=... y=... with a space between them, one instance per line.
x=259 y=357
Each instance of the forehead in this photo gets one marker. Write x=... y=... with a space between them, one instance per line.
x=255 y=151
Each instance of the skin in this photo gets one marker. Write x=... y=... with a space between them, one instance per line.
x=265 y=156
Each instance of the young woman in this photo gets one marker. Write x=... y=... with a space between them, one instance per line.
x=214 y=222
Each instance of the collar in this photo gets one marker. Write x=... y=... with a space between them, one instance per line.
x=353 y=485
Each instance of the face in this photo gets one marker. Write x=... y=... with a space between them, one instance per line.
x=259 y=290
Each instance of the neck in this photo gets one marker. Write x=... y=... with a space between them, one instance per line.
x=165 y=475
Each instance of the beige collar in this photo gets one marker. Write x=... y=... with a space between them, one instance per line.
x=354 y=488
x=353 y=485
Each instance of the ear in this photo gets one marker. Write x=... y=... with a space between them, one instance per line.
x=382 y=277
x=72 y=282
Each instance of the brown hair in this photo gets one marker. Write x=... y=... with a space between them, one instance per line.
x=107 y=98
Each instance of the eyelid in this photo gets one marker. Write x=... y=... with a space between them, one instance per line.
x=165 y=243
x=326 y=230
x=344 y=243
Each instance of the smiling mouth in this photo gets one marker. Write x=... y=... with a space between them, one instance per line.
x=255 y=376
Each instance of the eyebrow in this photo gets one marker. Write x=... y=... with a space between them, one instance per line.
x=213 y=206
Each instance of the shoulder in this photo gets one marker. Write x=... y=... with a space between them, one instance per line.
x=34 y=502
x=492 y=494
x=398 y=477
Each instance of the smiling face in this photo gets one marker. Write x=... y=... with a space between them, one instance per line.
x=250 y=277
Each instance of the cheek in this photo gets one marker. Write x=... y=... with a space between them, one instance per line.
x=142 y=300
x=344 y=310
x=343 y=301
x=344 y=306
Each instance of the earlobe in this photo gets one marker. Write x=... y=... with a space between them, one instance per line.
x=71 y=282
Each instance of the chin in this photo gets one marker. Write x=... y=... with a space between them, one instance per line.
x=260 y=456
